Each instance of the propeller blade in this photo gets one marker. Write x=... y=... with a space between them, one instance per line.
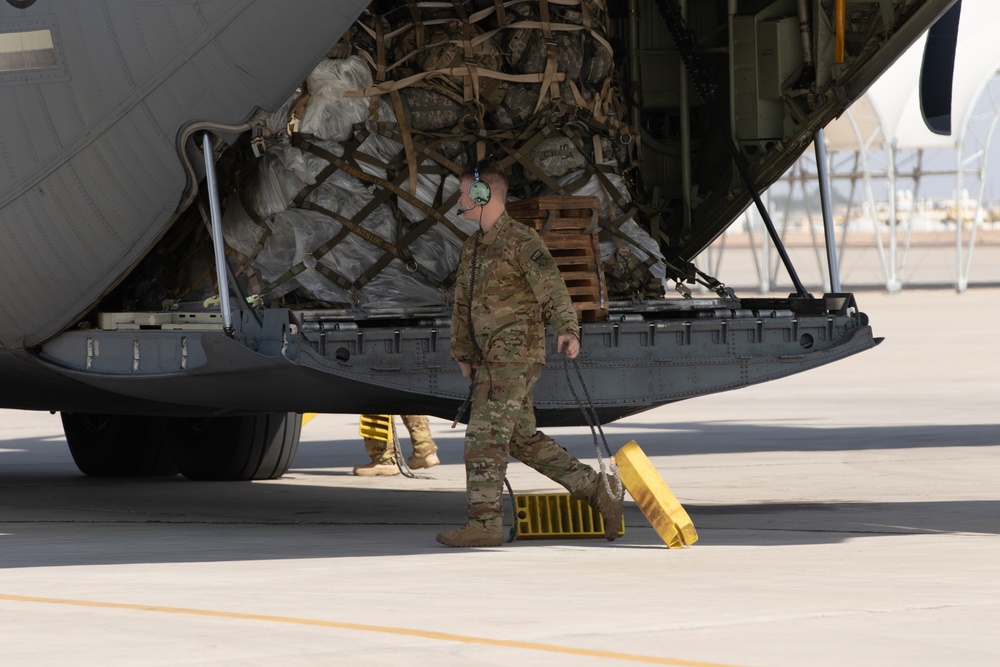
x=938 y=71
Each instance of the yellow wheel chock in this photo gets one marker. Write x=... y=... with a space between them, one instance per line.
x=541 y=516
x=657 y=502
x=376 y=427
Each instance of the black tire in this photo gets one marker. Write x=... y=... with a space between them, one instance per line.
x=117 y=445
x=232 y=449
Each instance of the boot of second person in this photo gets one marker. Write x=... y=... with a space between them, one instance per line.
x=416 y=462
x=377 y=469
x=383 y=459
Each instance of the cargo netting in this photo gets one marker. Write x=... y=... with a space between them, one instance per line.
x=351 y=199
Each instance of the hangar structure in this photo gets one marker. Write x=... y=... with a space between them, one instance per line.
x=881 y=145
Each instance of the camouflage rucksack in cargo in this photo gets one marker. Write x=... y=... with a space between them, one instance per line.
x=596 y=66
x=527 y=52
x=444 y=47
x=568 y=45
x=627 y=277
x=517 y=106
x=557 y=156
x=596 y=58
x=429 y=110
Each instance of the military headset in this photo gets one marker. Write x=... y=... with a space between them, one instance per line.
x=479 y=191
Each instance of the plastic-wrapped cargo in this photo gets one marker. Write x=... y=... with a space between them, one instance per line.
x=330 y=115
x=380 y=229
x=299 y=238
x=280 y=174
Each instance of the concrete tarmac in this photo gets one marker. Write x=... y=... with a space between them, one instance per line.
x=848 y=516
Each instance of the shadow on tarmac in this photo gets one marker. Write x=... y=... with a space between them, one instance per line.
x=63 y=520
x=773 y=524
x=51 y=515
x=720 y=437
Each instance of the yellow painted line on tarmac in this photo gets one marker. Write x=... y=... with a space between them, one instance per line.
x=308 y=417
x=442 y=636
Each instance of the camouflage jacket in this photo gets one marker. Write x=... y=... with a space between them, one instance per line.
x=518 y=288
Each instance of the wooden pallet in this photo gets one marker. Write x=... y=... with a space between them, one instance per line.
x=553 y=213
x=568 y=225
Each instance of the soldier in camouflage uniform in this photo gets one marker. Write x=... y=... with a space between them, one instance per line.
x=507 y=288
x=384 y=457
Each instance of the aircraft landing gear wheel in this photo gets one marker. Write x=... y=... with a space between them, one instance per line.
x=117 y=445
x=232 y=449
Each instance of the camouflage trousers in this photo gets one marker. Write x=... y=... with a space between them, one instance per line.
x=502 y=424
x=420 y=437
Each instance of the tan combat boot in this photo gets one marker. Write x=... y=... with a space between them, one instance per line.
x=471 y=535
x=417 y=462
x=386 y=469
x=610 y=507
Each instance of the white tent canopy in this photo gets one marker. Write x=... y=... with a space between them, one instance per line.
x=894 y=98
x=881 y=142
x=861 y=126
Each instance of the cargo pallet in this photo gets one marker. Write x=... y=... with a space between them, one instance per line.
x=568 y=225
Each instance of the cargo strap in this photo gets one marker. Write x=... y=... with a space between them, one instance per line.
x=336 y=163
x=347 y=227
x=341 y=281
x=407 y=136
x=549 y=85
x=429 y=149
x=470 y=84
x=398 y=250
x=594 y=15
x=460 y=71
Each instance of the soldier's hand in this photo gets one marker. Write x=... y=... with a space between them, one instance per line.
x=571 y=343
x=468 y=370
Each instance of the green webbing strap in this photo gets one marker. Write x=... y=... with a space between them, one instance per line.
x=390 y=250
x=326 y=271
x=382 y=196
x=301 y=142
x=396 y=166
x=393 y=187
x=356 y=228
x=391 y=131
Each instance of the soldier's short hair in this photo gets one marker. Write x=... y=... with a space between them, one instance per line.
x=491 y=172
